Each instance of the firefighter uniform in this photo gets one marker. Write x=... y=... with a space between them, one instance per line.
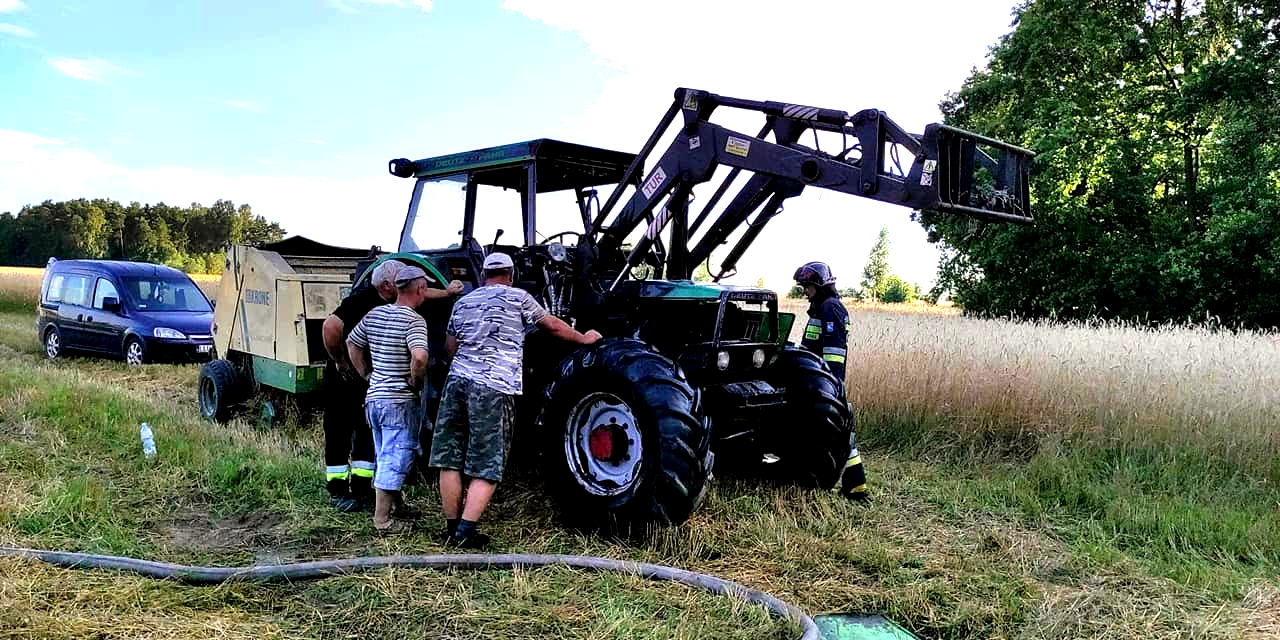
x=827 y=336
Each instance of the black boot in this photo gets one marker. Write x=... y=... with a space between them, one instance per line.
x=340 y=495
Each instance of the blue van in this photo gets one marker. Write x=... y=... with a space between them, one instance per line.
x=132 y=310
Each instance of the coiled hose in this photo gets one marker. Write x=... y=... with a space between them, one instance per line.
x=468 y=561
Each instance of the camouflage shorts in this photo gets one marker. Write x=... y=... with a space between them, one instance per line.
x=473 y=429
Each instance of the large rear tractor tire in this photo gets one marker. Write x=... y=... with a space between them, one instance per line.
x=626 y=448
x=219 y=390
x=813 y=445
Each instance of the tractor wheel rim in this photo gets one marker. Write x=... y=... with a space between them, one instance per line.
x=604 y=477
x=133 y=353
x=52 y=344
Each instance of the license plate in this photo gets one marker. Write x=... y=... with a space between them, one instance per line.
x=204 y=348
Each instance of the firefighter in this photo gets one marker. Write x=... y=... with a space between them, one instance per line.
x=827 y=336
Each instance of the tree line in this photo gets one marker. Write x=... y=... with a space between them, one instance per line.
x=190 y=238
x=1156 y=186
x=877 y=283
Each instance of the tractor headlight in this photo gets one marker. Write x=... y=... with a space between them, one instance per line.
x=757 y=358
x=166 y=332
x=722 y=360
x=557 y=252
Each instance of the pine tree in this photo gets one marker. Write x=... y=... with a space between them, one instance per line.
x=877 y=269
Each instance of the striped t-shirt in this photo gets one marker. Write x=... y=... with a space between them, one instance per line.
x=390 y=332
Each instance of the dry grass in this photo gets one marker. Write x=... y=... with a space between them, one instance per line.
x=1030 y=481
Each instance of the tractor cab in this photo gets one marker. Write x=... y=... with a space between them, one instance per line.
x=501 y=192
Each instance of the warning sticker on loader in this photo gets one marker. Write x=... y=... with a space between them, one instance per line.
x=926 y=176
x=653 y=183
x=737 y=146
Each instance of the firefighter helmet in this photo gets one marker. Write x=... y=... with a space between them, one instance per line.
x=817 y=274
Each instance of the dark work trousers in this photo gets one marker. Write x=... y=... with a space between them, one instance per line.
x=348 y=443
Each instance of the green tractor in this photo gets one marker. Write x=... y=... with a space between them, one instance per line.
x=628 y=428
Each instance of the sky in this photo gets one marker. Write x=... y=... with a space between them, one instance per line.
x=294 y=107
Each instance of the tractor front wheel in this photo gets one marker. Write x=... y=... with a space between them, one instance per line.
x=624 y=438
x=814 y=443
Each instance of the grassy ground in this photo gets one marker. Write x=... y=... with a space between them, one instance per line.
x=1030 y=481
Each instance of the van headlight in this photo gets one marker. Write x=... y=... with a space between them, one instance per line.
x=169 y=334
x=757 y=358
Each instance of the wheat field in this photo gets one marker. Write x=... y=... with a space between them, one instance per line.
x=1177 y=384
x=23 y=283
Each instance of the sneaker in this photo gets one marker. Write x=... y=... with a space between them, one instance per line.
x=473 y=540
x=344 y=504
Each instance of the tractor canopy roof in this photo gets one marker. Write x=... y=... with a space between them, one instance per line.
x=558 y=165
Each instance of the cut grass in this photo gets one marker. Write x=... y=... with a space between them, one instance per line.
x=988 y=522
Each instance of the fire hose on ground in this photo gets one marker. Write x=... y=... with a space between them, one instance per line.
x=473 y=562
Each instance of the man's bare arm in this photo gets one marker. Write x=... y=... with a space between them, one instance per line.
x=450 y=347
x=331 y=333
x=418 y=367
x=561 y=329
x=360 y=360
x=453 y=289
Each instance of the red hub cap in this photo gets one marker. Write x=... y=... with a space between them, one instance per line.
x=607 y=442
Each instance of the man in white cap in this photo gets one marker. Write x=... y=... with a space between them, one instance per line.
x=389 y=349
x=485 y=340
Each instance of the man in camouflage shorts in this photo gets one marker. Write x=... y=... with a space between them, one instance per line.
x=485 y=340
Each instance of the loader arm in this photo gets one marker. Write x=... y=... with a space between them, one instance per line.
x=950 y=171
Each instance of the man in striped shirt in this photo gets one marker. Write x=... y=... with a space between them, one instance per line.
x=389 y=349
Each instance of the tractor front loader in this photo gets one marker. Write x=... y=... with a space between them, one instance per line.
x=627 y=428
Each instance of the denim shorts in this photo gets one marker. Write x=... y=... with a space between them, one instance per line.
x=395 y=425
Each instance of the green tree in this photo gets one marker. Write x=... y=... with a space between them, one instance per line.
x=1157 y=182
x=796 y=292
x=877 y=268
x=190 y=238
x=897 y=290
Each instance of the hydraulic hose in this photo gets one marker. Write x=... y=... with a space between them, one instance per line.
x=476 y=562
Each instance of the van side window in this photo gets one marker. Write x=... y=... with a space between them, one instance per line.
x=76 y=291
x=54 y=293
x=105 y=290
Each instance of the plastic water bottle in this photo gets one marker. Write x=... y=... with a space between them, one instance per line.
x=148 y=441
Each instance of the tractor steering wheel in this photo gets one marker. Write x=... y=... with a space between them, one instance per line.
x=551 y=238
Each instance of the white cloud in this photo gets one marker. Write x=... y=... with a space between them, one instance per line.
x=898 y=57
x=77 y=116
x=34 y=168
x=15 y=30
x=8 y=6
x=242 y=104
x=348 y=6
x=88 y=69
x=312 y=141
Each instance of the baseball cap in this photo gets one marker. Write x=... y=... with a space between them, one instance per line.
x=409 y=274
x=498 y=261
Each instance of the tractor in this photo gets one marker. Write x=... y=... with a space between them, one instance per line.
x=691 y=375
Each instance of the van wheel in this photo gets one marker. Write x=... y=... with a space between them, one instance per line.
x=134 y=351
x=52 y=343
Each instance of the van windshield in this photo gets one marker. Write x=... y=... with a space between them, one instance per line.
x=165 y=294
